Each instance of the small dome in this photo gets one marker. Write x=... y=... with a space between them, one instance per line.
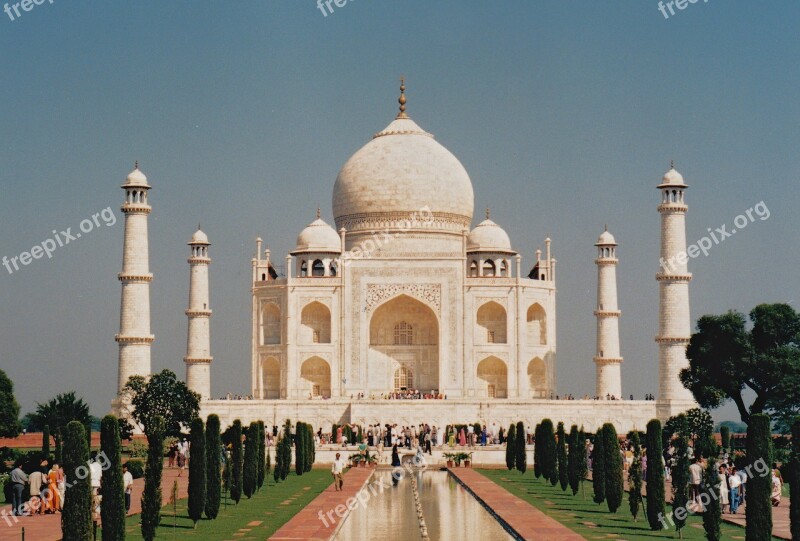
x=199 y=238
x=489 y=237
x=318 y=237
x=606 y=239
x=672 y=178
x=136 y=178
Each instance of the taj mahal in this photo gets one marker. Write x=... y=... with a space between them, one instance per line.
x=401 y=295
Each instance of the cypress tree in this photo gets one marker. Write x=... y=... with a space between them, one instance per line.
x=213 y=474
x=725 y=436
x=309 y=447
x=712 y=516
x=59 y=446
x=237 y=461
x=286 y=450
x=680 y=474
x=250 y=472
x=613 y=462
x=655 y=476
x=520 y=458
x=76 y=517
x=151 y=497
x=197 y=470
x=549 y=453
x=573 y=462
x=112 y=512
x=599 y=466
x=537 y=451
x=563 y=460
x=268 y=466
x=759 y=487
x=262 y=448
x=276 y=474
x=635 y=476
x=511 y=445
x=46 y=442
x=583 y=463
x=794 y=481
x=300 y=449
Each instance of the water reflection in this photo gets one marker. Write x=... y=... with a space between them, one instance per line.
x=450 y=512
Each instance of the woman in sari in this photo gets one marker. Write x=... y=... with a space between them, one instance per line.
x=53 y=503
x=451 y=438
x=462 y=437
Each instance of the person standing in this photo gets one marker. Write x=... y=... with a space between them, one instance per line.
x=36 y=502
x=127 y=484
x=337 y=470
x=396 y=474
x=723 y=488
x=55 y=490
x=695 y=479
x=18 y=480
x=734 y=483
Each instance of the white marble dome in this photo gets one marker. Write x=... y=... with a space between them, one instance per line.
x=400 y=172
x=318 y=236
x=199 y=238
x=672 y=178
x=136 y=178
x=489 y=237
x=606 y=238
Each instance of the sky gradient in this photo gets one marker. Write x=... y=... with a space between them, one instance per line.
x=565 y=115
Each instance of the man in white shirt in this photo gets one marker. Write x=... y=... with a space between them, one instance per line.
x=470 y=435
x=127 y=484
x=734 y=482
x=695 y=479
x=337 y=470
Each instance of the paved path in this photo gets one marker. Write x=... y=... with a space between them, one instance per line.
x=48 y=527
x=307 y=524
x=525 y=520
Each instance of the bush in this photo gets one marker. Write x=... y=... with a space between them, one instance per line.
x=511 y=455
x=563 y=466
x=135 y=468
x=112 y=512
x=151 y=497
x=213 y=460
x=655 y=476
x=137 y=449
x=237 y=462
x=613 y=463
x=197 y=471
x=599 y=467
x=520 y=458
x=759 y=506
x=76 y=517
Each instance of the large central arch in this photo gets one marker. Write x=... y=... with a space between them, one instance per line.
x=403 y=333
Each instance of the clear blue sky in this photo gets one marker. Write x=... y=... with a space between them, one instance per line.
x=565 y=114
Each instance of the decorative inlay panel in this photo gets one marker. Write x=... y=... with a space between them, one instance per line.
x=377 y=294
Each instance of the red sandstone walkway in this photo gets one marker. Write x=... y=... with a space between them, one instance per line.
x=308 y=526
x=48 y=527
x=526 y=521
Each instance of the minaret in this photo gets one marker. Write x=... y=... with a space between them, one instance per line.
x=198 y=343
x=607 y=359
x=134 y=336
x=674 y=325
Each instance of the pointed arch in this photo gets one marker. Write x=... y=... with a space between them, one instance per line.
x=537 y=325
x=537 y=378
x=271 y=378
x=316 y=375
x=492 y=378
x=315 y=324
x=270 y=324
x=492 y=323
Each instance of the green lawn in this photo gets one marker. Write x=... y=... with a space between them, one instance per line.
x=590 y=520
x=272 y=507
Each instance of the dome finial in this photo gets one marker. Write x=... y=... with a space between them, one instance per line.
x=672 y=164
x=136 y=164
x=488 y=213
x=606 y=227
x=402 y=99
x=319 y=213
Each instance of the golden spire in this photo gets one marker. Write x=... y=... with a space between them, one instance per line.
x=402 y=99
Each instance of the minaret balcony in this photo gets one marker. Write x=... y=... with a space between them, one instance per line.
x=198 y=360
x=672 y=339
x=198 y=313
x=666 y=277
x=132 y=340
x=607 y=360
x=199 y=260
x=136 y=208
x=134 y=278
x=608 y=313
x=673 y=207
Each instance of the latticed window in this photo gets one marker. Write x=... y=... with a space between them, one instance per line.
x=403 y=379
x=316 y=337
x=492 y=391
x=490 y=337
x=403 y=334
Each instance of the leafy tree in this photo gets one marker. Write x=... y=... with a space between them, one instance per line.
x=58 y=412
x=520 y=454
x=680 y=475
x=726 y=361
x=300 y=448
x=701 y=427
x=251 y=454
x=76 y=517
x=9 y=409
x=725 y=435
x=197 y=470
x=261 y=458
x=46 y=442
x=759 y=487
x=583 y=463
x=237 y=462
x=112 y=512
x=573 y=462
x=712 y=516
x=162 y=395
x=613 y=463
x=563 y=468
x=656 y=505
x=151 y=497
x=635 y=476
x=213 y=450
x=511 y=455
x=794 y=481
x=599 y=468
